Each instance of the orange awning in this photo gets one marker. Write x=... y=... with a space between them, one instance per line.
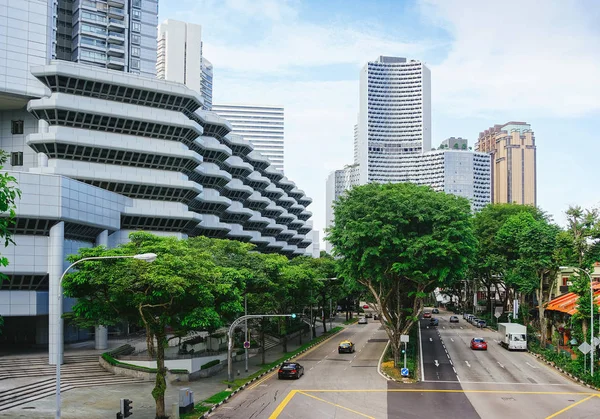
x=567 y=303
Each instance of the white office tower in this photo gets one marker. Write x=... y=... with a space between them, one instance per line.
x=261 y=125
x=337 y=183
x=115 y=34
x=179 y=57
x=394 y=122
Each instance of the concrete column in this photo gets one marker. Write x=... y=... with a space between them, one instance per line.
x=43 y=126
x=56 y=259
x=101 y=335
x=42 y=160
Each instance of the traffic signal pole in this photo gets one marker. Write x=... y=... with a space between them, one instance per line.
x=232 y=329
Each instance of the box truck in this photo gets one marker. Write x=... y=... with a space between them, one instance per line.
x=513 y=336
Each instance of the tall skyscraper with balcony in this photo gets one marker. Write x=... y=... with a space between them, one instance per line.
x=513 y=153
x=179 y=58
x=259 y=124
x=394 y=121
x=115 y=34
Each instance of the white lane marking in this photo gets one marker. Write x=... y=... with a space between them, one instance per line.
x=444 y=327
x=457 y=378
x=319 y=361
x=430 y=339
x=311 y=368
x=454 y=369
x=492 y=382
x=468 y=365
x=451 y=339
x=461 y=327
x=421 y=356
x=500 y=364
x=436 y=363
x=532 y=366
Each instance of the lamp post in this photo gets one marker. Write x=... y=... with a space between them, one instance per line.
x=148 y=257
x=591 y=311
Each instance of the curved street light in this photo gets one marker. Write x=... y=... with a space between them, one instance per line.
x=591 y=310
x=148 y=257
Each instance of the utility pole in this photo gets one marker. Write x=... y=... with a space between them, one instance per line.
x=246 y=322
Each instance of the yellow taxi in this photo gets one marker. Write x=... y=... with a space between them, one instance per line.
x=346 y=346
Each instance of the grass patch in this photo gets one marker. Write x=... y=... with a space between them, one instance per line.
x=108 y=358
x=351 y=321
x=389 y=369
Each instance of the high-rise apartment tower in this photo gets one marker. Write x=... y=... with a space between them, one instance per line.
x=513 y=151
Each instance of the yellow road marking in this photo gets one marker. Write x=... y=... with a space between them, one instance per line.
x=334 y=404
x=571 y=406
x=415 y=390
x=283 y=404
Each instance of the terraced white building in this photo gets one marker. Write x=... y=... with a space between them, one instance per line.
x=103 y=153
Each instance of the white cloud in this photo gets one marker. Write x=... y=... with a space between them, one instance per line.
x=530 y=57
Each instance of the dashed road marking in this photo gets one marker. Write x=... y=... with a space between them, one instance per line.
x=430 y=339
x=532 y=366
x=500 y=364
x=468 y=365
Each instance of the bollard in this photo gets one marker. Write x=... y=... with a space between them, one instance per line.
x=175 y=411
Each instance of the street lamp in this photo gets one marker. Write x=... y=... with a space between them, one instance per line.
x=591 y=310
x=148 y=257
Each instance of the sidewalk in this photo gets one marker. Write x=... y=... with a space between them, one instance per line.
x=103 y=401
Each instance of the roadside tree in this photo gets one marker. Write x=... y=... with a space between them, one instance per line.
x=401 y=241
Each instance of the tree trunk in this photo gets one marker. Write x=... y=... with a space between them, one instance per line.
x=542 y=318
x=150 y=342
x=283 y=330
x=488 y=288
x=262 y=339
x=161 y=383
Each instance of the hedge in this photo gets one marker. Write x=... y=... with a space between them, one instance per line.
x=210 y=364
x=108 y=358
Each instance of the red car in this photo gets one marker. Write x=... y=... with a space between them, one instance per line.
x=366 y=306
x=478 y=343
x=427 y=315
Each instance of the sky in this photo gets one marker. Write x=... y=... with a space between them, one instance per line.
x=491 y=62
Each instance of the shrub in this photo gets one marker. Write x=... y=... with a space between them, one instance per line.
x=210 y=364
x=179 y=371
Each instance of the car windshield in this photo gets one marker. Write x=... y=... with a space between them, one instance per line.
x=478 y=340
x=289 y=367
x=344 y=344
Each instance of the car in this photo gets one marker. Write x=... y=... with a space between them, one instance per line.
x=369 y=315
x=453 y=319
x=481 y=323
x=435 y=311
x=427 y=315
x=346 y=346
x=433 y=321
x=366 y=306
x=362 y=320
x=376 y=317
x=474 y=320
x=290 y=370
x=478 y=344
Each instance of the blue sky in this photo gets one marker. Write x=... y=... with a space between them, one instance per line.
x=491 y=62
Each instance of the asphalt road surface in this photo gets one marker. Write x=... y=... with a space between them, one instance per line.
x=458 y=382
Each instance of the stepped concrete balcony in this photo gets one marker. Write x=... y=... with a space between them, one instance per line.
x=273 y=230
x=236 y=214
x=213 y=177
x=273 y=192
x=257 y=202
x=238 y=233
x=305 y=215
x=296 y=224
x=304 y=243
x=239 y=169
x=305 y=201
x=257 y=222
x=87 y=81
x=213 y=151
x=165 y=216
x=286 y=184
x=296 y=209
x=285 y=202
x=260 y=162
x=272 y=174
x=257 y=181
x=275 y=246
x=296 y=239
x=213 y=124
x=304 y=230
x=290 y=249
x=285 y=235
x=238 y=146
x=210 y=202
x=260 y=241
x=211 y=226
x=296 y=193
x=273 y=211
x=300 y=252
x=236 y=190
x=285 y=219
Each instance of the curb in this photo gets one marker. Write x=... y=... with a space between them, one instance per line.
x=233 y=393
x=563 y=372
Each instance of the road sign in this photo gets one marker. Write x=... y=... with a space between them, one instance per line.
x=585 y=347
x=247 y=345
x=596 y=341
x=497 y=315
x=403 y=338
x=404 y=372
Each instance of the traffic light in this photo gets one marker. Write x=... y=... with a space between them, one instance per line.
x=293 y=315
x=126 y=407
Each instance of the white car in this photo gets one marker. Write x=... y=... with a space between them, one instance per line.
x=362 y=320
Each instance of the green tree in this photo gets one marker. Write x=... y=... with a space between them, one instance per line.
x=9 y=194
x=401 y=241
x=534 y=268
x=183 y=290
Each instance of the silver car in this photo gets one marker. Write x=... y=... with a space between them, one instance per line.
x=362 y=320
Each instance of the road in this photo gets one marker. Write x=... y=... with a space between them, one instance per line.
x=457 y=382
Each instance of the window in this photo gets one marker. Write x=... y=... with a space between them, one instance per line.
x=16 y=127
x=135 y=63
x=93 y=55
x=93 y=29
x=137 y=3
x=136 y=27
x=136 y=39
x=93 y=42
x=136 y=14
x=16 y=158
x=135 y=51
x=94 y=17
